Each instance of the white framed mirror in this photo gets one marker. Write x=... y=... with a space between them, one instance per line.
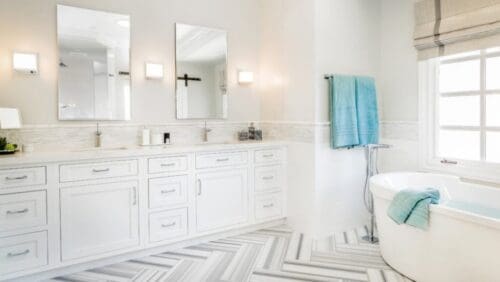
x=201 y=72
x=94 y=64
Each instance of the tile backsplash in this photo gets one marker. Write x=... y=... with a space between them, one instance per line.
x=64 y=137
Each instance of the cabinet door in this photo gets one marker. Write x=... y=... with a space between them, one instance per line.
x=99 y=218
x=221 y=199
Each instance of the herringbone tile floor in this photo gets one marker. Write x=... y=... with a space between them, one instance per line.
x=274 y=255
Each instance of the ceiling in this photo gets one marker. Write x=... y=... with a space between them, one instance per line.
x=91 y=29
x=200 y=44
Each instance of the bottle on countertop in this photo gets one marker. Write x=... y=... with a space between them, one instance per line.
x=251 y=131
x=258 y=135
x=146 y=136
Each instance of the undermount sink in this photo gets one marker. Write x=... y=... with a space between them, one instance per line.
x=215 y=143
x=100 y=149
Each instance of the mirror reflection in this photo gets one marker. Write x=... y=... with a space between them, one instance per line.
x=201 y=71
x=94 y=64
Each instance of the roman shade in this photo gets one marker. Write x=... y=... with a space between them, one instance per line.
x=445 y=27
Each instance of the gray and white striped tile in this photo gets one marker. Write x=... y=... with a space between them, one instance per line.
x=275 y=254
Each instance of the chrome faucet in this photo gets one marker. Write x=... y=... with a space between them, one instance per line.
x=205 y=132
x=98 y=134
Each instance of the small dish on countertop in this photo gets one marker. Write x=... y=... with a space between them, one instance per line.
x=8 y=152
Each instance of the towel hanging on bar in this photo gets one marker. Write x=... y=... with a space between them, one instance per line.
x=353 y=111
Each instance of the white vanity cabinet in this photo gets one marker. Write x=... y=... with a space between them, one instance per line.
x=91 y=209
x=221 y=199
x=99 y=218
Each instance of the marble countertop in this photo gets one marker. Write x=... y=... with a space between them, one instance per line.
x=125 y=152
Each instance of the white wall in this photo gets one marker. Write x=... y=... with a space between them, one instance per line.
x=318 y=37
x=287 y=65
x=27 y=25
x=272 y=60
x=398 y=83
x=347 y=42
x=398 y=61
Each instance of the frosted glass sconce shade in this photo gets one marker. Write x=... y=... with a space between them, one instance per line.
x=154 y=71
x=25 y=62
x=245 y=77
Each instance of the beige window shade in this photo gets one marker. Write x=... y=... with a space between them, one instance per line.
x=445 y=27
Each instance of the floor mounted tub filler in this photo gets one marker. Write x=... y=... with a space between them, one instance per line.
x=462 y=242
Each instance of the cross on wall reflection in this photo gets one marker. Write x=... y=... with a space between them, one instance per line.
x=187 y=78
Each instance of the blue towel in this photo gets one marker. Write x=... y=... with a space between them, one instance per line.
x=353 y=111
x=411 y=206
x=344 y=121
x=367 y=111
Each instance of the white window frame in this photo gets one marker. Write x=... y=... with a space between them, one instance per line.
x=429 y=123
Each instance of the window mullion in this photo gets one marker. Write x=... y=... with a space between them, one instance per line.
x=483 y=106
x=436 y=109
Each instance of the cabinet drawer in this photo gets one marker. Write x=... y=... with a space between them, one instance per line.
x=23 y=252
x=267 y=156
x=90 y=171
x=168 y=164
x=10 y=178
x=268 y=206
x=22 y=210
x=207 y=160
x=267 y=178
x=168 y=191
x=167 y=225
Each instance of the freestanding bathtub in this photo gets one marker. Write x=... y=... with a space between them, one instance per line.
x=463 y=239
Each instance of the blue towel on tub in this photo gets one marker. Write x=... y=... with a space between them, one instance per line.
x=411 y=206
x=367 y=110
x=344 y=120
x=353 y=111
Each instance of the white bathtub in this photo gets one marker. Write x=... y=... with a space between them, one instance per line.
x=463 y=239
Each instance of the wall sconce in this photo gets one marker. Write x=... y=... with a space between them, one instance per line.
x=154 y=71
x=25 y=62
x=245 y=77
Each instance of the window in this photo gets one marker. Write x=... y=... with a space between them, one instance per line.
x=462 y=112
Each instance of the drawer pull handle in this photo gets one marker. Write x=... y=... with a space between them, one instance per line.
x=168 y=225
x=268 y=206
x=445 y=161
x=223 y=160
x=135 y=196
x=268 y=177
x=16 y=178
x=18 y=212
x=25 y=252
x=168 y=165
x=199 y=187
x=100 y=170
x=268 y=156
x=167 y=191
